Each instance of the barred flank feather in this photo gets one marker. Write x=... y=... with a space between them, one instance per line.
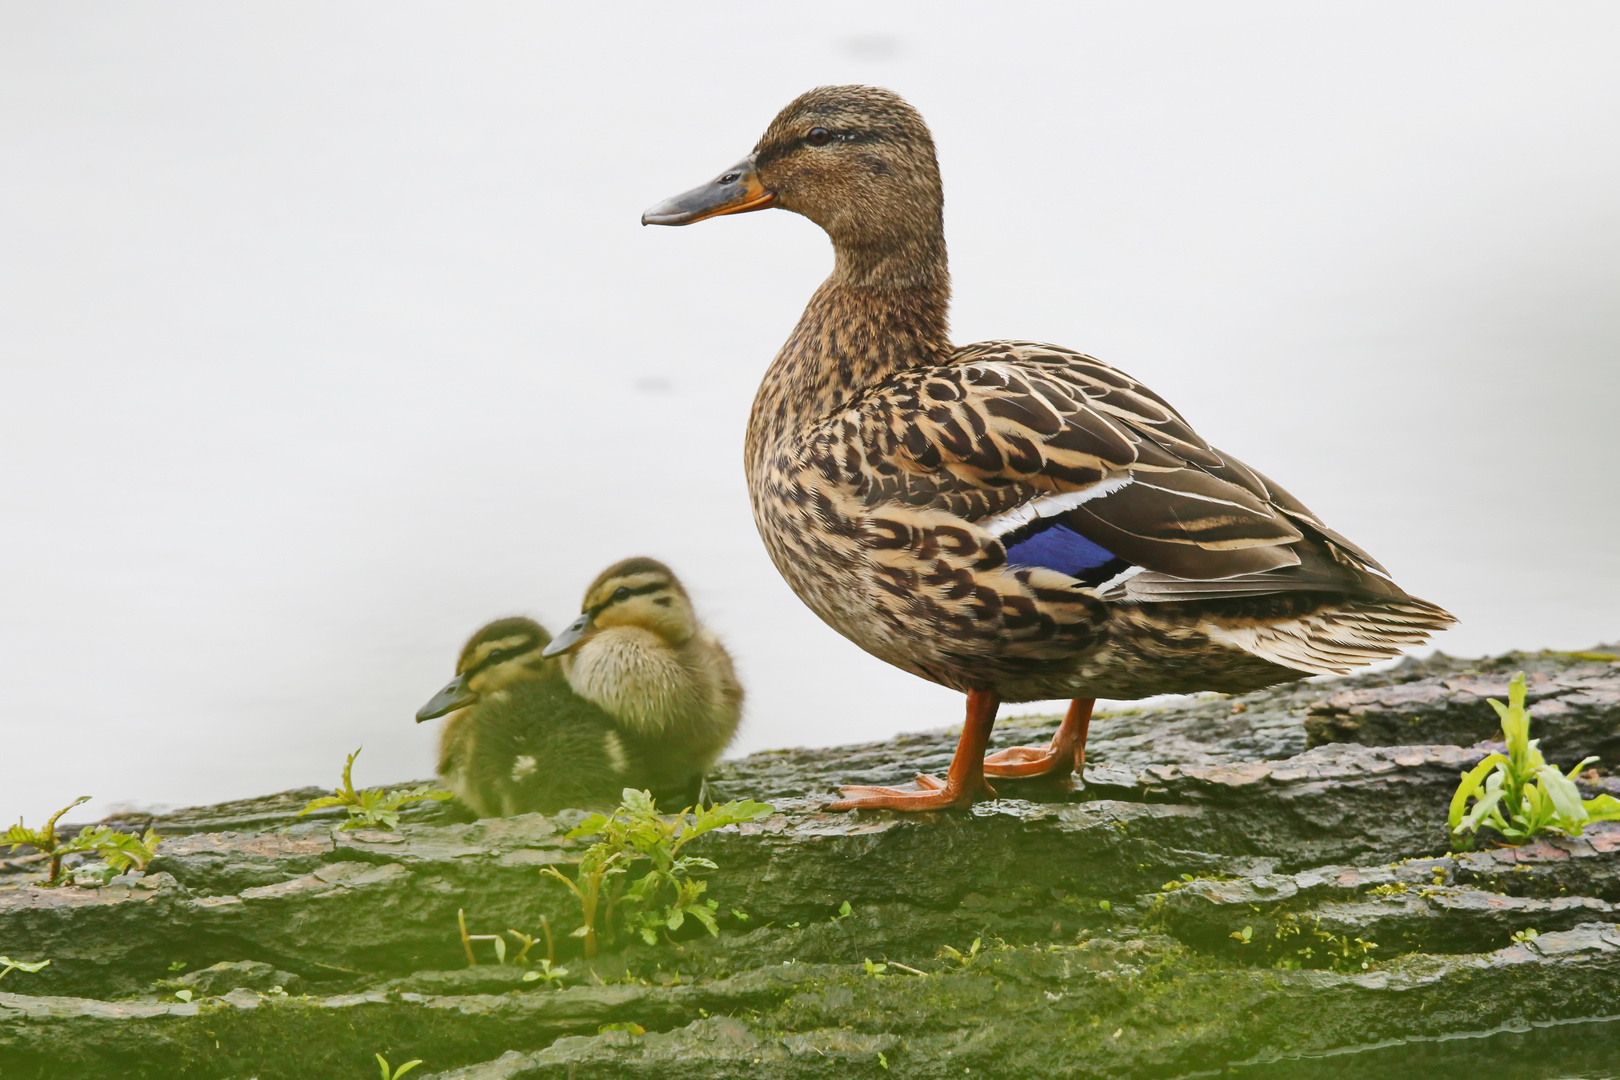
x=1336 y=640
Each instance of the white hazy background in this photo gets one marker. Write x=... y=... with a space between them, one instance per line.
x=328 y=331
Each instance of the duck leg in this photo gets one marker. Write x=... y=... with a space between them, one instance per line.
x=963 y=784
x=1066 y=751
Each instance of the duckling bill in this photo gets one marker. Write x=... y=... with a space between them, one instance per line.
x=1015 y=520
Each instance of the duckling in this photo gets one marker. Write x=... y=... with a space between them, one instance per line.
x=639 y=652
x=519 y=740
x=1015 y=520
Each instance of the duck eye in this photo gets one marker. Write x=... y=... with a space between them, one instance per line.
x=819 y=137
x=621 y=593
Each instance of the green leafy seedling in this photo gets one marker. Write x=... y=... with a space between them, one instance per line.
x=662 y=899
x=372 y=808
x=874 y=970
x=629 y=1027
x=960 y=957
x=120 y=851
x=1243 y=936
x=1527 y=935
x=844 y=911
x=45 y=840
x=399 y=1072
x=8 y=965
x=551 y=976
x=1518 y=794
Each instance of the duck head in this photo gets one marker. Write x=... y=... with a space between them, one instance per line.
x=856 y=160
x=505 y=652
x=637 y=592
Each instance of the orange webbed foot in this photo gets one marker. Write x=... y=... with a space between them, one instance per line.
x=1066 y=752
x=931 y=794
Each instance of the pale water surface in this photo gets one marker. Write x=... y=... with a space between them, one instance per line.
x=328 y=332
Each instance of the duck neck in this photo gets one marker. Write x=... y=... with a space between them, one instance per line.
x=884 y=309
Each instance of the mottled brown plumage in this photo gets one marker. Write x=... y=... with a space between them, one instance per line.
x=900 y=483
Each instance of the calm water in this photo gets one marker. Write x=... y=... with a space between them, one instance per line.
x=328 y=332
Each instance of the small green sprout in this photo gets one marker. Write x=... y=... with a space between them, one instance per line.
x=1243 y=936
x=551 y=976
x=874 y=970
x=1105 y=906
x=375 y=807
x=183 y=995
x=467 y=939
x=883 y=1061
x=178 y=965
x=1527 y=935
x=740 y=916
x=399 y=1072
x=8 y=965
x=961 y=958
x=843 y=911
x=527 y=942
x=628 y=1026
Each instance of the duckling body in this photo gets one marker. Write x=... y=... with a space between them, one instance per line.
x=1015 y=520
x=639 y=653
x=518 y=740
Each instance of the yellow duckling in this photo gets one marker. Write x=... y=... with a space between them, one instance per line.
x=639 y=652
x=519 y=740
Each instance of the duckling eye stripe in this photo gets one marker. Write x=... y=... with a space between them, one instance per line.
x=490 y=648
x=639 y=590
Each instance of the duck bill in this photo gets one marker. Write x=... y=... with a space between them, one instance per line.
x=736 y=191
x=573 y=635
x=455 y=695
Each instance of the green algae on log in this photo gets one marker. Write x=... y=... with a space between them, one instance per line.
x=1217 y=893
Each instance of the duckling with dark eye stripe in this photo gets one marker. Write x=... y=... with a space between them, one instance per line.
x=639 y=651
x=518 y=740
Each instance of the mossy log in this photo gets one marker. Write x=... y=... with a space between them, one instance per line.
x=1215 y=892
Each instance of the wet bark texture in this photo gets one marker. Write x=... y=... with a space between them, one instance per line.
x=1237 y=879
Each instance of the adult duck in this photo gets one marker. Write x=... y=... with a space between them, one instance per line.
x=1015 y=520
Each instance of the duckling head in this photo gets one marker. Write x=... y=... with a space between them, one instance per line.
x=506 y=652
x=856 y=160
x=638 y=592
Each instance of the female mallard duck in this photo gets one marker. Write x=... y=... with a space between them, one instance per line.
x=519 y=740
x=638 y=651
x=1015 y=520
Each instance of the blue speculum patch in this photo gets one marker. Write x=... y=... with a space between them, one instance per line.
x=1057 y=547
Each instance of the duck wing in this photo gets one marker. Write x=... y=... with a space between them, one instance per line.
x=1078 y=468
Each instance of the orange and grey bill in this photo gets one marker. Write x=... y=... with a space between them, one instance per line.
x=735 y=191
